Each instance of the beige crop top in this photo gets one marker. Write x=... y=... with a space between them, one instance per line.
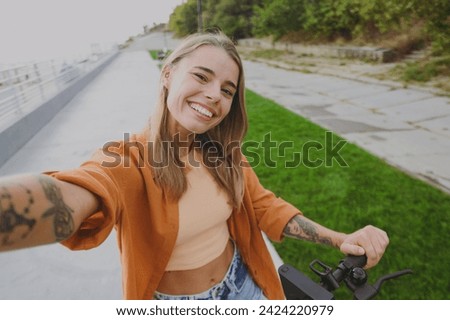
x=203 y=232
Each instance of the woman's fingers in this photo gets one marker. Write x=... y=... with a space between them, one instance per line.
x=370 y=241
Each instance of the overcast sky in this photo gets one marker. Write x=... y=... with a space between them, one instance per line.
x=36 y=29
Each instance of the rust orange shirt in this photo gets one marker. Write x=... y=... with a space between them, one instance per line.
x=146 y=220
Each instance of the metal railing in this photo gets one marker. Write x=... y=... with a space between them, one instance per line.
x=23 y=87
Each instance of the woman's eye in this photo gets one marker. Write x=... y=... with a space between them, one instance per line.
x=201 y=77
x=227 y=92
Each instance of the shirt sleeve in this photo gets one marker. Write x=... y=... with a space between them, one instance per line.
x=104 y=183
x=272 y=212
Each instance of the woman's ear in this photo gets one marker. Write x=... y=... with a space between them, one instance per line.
x=166 y=75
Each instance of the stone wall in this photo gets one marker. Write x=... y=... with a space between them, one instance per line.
x=363 y=53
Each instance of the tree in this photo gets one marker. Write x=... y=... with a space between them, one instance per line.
x=233 y=17
x=436 y=13
x=278 y=17
x=183 y=20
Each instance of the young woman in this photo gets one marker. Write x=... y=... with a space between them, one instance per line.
x=187 y=206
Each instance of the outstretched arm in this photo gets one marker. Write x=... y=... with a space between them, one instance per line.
x=39 y=209
x=369 y=240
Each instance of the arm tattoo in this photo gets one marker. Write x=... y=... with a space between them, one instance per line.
x=63 y=225
x=302 y=229
x=12 y=217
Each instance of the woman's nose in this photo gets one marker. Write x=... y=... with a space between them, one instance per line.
x=213 y=92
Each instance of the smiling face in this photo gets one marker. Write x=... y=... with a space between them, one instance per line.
x=201 y=87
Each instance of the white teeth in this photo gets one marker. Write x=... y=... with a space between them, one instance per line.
x=201 y=110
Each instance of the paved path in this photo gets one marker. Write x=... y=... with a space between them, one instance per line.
x=409 y=128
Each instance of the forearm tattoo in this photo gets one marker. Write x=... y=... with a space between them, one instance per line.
x=16 y=221
x=12 y=217
x=304 y=230
x=63 y=225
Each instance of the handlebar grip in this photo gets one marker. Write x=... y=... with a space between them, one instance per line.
x=355 y=261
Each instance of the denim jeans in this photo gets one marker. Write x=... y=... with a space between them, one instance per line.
x=236 y=285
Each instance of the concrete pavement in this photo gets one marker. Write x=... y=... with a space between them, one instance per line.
x=408 y=128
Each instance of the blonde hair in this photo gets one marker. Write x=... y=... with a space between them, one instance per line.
x=223 y=141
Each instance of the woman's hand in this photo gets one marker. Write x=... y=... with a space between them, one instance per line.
x=370 y=241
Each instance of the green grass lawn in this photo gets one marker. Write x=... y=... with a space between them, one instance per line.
x=153 y=54
x=348 y=195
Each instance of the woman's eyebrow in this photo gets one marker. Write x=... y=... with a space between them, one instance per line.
x=208 y=70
